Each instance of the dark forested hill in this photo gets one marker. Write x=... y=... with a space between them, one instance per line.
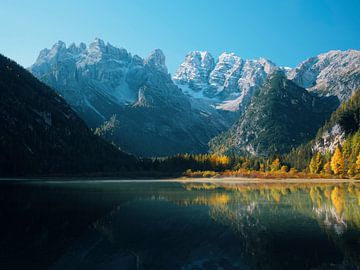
x=342 y=124
x=41 y=134
x=281 y=115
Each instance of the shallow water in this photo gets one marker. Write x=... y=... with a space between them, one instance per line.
x=163 y=225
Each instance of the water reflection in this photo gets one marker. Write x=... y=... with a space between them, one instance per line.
x=190 y=225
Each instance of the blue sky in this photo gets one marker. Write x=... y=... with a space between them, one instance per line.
x=285 y=31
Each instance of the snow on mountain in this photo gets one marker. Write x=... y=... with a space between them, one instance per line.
x=155 y=117
x=226 y=71
x=332 y=73
x=84 y=75
x=230 y=83
x=160 y=115
x=195 y=70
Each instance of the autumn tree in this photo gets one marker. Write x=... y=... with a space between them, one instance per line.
x=337 y=162
x=275 y=165
x=312 y=165
x=284 y=168
x=315 y=163
x=357 y=164
x=326 y=168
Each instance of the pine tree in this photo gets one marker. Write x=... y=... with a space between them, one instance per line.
x=337 y=162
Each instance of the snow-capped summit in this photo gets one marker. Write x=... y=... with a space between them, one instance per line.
x=153 y=116
x=195 y=70
x=226 y=72
x=332 y=73
x=82 y=74
x=230 y=82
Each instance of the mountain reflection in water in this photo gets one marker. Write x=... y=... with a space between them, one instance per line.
x=118 y=225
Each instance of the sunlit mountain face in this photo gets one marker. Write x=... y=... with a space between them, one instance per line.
x=162 y=225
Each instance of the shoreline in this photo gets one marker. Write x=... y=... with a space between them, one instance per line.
x=227 y=180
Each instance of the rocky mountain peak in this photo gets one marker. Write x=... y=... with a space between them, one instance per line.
x=77 y=49
x=230 y=82
x=59 y=45
x=226 y=71
x=97 y=44
x=157 y=60
x=58 y=48
x=195 y=69
x=332 y=73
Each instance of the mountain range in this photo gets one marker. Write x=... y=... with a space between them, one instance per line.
x=153 y=116
x=42 y=135
x=225 y=105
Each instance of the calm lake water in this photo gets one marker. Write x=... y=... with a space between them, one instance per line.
x=162 y=225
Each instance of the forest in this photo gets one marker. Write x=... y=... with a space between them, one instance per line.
x=303 y=161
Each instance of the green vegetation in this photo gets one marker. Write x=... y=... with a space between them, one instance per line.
x=348 y=117
x=43 y=136
x=281 y=116
x=301 y=162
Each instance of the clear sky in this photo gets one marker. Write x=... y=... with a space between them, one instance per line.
x=285 y=31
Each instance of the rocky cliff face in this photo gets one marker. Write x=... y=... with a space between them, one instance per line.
x=342 y=123
x=159 y=115
x=195 y=70
x=155 y=117
x=333 y=73
x=229 y=83
x=329 y=140
x=281 y=116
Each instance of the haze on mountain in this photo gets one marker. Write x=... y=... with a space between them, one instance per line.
x=135 y=104
x=42 y=135
x=130 y=101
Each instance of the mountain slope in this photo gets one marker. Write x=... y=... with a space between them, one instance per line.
x=281 y=115
x=41 y=134
x=155 y=118
x=334 y=73
x=343 y=123
x=231 y=81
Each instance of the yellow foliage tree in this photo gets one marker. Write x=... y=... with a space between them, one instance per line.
x=312 y=165
x=337 y=162
x=338 y=198
x=327 y=168
x=315 y=163
x=275 y=165
x=357 y=164
x=284 y=168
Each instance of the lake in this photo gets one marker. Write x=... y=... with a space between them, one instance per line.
x=170 y=225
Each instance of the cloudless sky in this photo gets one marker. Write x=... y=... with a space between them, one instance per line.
x=284 y=31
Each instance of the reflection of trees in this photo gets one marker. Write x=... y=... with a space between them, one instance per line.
x=330 y=204
x=258 y=213
x=248 y=209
